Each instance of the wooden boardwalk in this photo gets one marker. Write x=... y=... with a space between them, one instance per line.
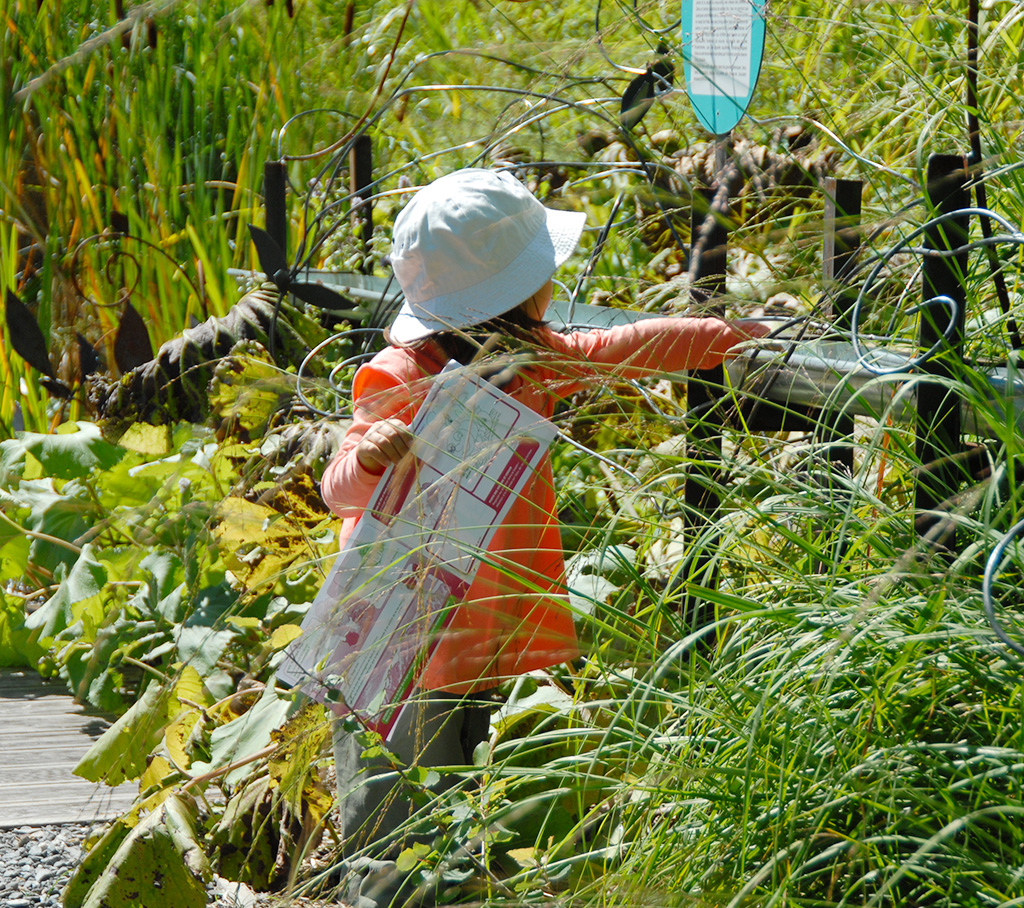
x=43 y=735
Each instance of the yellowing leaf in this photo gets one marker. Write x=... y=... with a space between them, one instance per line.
x=189 y=689
x=302 y=741
x=284 y=635
x=258 y=542
x=158 y=770
x=178 y=734
x=152 y=441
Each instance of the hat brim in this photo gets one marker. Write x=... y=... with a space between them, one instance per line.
x=498 y=293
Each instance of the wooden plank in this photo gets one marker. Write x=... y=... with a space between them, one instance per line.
x=43 y=735
x=27 y=775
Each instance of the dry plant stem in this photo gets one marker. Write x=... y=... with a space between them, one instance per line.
x=131 y=660
x=231 y=767
x=35 y=594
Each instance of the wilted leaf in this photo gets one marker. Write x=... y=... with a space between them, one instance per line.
x=95 y=862
x=247 y=839
x=302 y=742
x=159 y=864
x=132 y=346
x=120 y=752
x=26 y=337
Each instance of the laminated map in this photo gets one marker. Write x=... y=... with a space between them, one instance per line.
x=414 y=552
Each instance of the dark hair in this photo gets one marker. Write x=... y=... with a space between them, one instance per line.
x=514 y=329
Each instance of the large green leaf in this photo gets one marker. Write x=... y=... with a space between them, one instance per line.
x=159 y=864
x=247 y=735
x=65 y=513
x=72 y=452
x=16 y=645
x=120 y=752
x=78 y=597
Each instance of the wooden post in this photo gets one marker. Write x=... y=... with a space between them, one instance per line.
x=939 y=443
x=275 y=204
x=841 y=246
x=360 y=176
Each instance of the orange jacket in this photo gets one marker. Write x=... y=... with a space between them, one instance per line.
x=515 y=617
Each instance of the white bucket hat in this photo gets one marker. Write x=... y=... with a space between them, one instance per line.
x=471 y=246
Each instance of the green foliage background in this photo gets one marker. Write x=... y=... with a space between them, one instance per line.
x=844 y=730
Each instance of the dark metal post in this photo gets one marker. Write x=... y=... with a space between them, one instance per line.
x=839 y=261
x=274 y=185
x=938 y=408
x=709 y=235
x=360 y=170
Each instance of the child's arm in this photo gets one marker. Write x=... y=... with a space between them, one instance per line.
x=648 y=347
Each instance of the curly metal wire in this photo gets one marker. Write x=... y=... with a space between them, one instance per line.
x=1013 y=237
x=114 y=255
x=337 y=387
x=991 y=570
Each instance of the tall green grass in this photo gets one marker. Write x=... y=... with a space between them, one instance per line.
x=159 y=136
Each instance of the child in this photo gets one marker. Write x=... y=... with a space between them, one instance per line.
x=474 y=253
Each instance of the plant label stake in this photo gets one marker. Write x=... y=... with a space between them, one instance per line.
x=723 y=44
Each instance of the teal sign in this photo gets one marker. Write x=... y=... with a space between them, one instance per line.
x=723 y=42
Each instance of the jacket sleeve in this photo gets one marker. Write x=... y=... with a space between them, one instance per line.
x=378 y=392
x=643 y=349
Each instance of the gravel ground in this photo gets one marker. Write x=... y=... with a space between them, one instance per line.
x=37 y=861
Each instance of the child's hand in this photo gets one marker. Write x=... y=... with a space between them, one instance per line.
x=385 y=442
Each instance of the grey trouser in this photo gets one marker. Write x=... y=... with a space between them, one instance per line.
x=433 y=730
